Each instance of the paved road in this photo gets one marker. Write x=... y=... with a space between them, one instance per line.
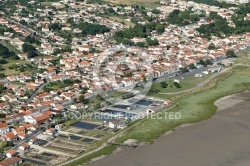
x=35 y=93
x=184 y=75
x=5 y=81
x=24 y=141
x=24 y=27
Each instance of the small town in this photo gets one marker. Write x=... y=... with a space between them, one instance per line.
x=75 y=74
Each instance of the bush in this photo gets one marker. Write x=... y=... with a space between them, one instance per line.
x=3 y=61
x=164 y=85
x=177 y=85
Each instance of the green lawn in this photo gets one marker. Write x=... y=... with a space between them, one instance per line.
x=118 y=94
x=161 y=96
x=105 y=151
x=18 y=83
x=95 y=100
x=194 y=79
x=171 y=88
x=8 y=71
x=56 y=85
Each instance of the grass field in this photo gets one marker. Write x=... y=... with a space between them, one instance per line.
x=8 y=71
x=194 y=79
x=171 y=88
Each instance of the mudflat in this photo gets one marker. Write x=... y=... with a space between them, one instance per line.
x=223 y=140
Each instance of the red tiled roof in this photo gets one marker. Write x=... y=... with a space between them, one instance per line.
x=10 y=161
x=3 y=125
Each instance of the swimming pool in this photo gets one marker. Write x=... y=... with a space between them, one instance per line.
x=85 y=125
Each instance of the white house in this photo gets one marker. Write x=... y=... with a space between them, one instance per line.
x=9 y=97
x=11 y=153
x=37 y=118
x=33 y=140
x=51 y=131
x=24 y=146
x=4 y=129
x=77 y=106
x=116 y=125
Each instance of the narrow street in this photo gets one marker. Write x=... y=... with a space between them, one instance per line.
x=35 y=93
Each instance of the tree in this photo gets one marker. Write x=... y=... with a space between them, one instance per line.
x=164 y=84
x=55 y=26
x=83 y=100
x=156 y=11
x=32 y=54
x=9 y=143
x=32 y=40
x=2 y=30
x=168 y=47
x=183 y=69
x=5 y=52
x=211 y=46
x=92 y=29
x=71 y=21
x=160 y=28
x=50 y=13
x=208 y=62
x=140 y=44
x=202 y=62
x=127 y=42
x=3 y=61
x=231 y=54
x=182 y=18
x=152 y=42
x=2 y=88
x=177 y=85
x=84 y=90
x=2 y=75
x=27 y=47
x=3 y=144
x=192 y=66
x=23 y=22
x=111 y=10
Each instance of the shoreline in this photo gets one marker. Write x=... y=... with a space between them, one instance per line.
x=178 y=129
